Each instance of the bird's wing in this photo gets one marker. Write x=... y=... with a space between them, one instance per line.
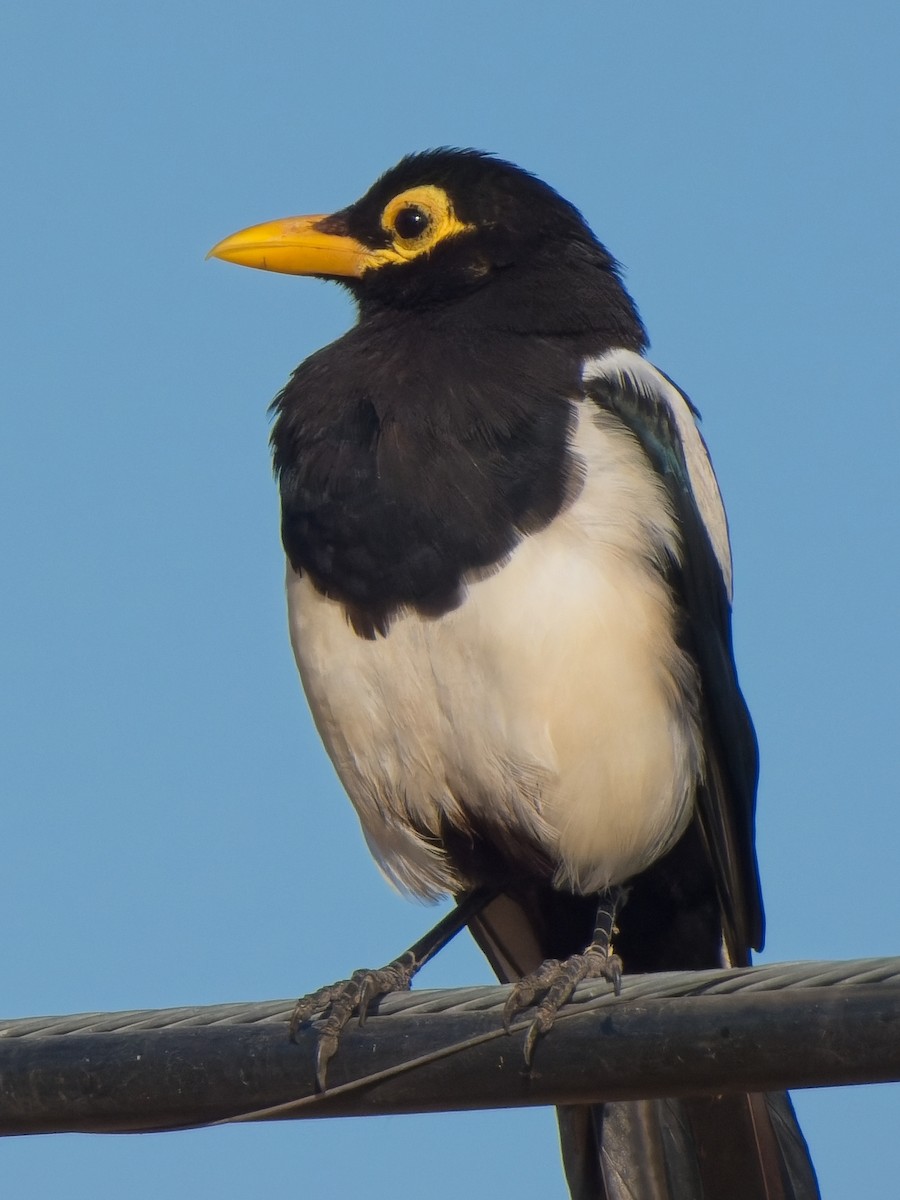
x=724 y=1145
x=663 y=421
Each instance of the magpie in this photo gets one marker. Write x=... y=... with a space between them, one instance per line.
x=509 y=587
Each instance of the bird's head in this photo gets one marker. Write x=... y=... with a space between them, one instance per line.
x=455 y=227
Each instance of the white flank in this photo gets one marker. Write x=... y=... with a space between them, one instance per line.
x=554 y=700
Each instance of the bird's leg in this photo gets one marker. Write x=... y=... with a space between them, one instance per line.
x=340 y=1001
x=555 y=980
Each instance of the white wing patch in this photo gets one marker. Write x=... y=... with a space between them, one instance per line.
x=620 y=365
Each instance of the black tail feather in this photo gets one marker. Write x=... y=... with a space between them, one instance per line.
x=744 y=1147
x=735 y=1147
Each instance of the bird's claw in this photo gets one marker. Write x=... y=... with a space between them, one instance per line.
x=338 y=1003
x=526 y=990
x=555 y=981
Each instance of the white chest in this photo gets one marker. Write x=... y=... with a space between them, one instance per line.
x=554 y=703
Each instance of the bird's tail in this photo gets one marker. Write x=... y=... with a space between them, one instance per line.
x=704 y=1148
x=734 y=1147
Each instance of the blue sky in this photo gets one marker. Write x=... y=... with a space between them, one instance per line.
x=174 y=833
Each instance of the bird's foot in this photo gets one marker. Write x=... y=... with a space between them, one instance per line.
x=555 y=981
x=339 y=1002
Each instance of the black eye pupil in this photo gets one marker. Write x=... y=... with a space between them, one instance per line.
x=411 y=222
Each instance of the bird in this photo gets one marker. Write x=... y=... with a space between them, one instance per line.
x=509 y=587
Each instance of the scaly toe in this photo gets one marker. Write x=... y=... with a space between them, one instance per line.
x=307 y=1007
x=556 y=981
x=340 y=1001
x=526 y=990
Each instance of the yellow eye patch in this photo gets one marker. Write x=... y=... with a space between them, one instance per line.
x=416 y=221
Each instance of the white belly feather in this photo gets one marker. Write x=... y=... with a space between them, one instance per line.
x=554 y=698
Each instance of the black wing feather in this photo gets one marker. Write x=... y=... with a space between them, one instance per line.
x=727 y=800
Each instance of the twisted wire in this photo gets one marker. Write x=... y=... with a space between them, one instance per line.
x=588 y=996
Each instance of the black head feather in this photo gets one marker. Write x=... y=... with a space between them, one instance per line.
x=530 y=263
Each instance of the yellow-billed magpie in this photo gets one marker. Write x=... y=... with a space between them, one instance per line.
x=509 y=587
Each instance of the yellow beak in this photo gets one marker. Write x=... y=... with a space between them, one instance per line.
x=295 y=246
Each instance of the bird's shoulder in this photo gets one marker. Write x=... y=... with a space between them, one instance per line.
x=665 y=422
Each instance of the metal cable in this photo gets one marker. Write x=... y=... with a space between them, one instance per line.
x=588 y=996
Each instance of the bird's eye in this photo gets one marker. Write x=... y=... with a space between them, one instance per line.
x=411 y=222
x=417 y=220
